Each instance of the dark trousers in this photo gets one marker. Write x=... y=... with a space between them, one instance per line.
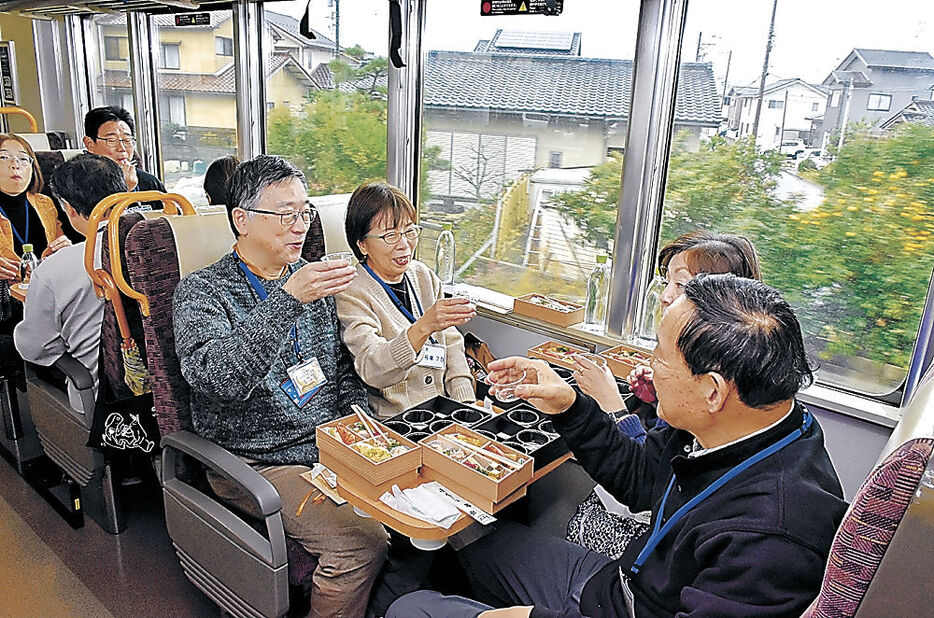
x=512 y=566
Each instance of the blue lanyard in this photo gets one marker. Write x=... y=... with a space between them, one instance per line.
x=659 y=531
x=13 y=227
x=395 y=299
x=261 y=292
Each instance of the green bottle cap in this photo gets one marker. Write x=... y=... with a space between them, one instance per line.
x=601 y=259
x=447 y=227
x=27 y=248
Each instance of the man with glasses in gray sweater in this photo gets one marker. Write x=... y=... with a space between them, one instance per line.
x=258 y=341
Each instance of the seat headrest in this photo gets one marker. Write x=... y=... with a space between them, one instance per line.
x=70 y=153
x=333 y=209
x=200 y=240
x=38 y=141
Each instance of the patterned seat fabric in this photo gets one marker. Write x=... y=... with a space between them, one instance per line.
x=153 y=267
x=111 y=357
x=867 y=529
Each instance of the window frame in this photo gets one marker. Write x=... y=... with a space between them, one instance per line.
x=108 y=39
x=163 y=59
x=882 y=96
x=225 y=43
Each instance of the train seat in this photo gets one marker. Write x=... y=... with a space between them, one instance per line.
x=245 y=570
x=873 y=567
x=332 y=209
x=63 y=434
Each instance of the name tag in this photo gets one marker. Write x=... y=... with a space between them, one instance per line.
x=433 y=356
x=306 y=376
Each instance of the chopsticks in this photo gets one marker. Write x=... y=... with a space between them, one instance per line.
x=479 y=451
x=366 y=423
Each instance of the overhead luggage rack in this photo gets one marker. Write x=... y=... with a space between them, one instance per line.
x=52 y=8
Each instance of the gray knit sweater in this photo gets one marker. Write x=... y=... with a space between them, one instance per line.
x=235 y=352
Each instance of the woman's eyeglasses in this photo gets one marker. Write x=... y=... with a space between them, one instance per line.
x=22 y=160
x=391 y=238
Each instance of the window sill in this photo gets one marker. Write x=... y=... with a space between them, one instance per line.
x=818 y=395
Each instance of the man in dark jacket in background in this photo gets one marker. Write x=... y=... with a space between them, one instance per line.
x=745 y=499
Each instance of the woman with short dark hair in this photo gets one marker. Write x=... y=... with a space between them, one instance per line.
x=396 y=325
x=215 y=179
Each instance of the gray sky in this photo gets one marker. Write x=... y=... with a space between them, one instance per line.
x=811 y=36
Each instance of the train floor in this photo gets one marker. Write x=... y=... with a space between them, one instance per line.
x=50 y=569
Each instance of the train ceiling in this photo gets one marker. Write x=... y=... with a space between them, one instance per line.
x=46 y=9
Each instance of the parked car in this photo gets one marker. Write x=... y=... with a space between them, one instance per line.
x=815 y=155
x=792 y=148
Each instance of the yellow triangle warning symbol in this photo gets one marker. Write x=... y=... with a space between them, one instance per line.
x=523 y=8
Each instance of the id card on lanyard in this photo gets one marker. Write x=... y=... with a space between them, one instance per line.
x=305 y=377
x=433 y=355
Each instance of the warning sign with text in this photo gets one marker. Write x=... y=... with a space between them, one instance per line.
x=521 y=7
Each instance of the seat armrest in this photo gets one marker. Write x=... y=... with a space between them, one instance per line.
x=77 y=373
x=225 y=463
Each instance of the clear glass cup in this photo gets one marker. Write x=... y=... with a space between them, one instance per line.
x=346 y=256
x=506 y=391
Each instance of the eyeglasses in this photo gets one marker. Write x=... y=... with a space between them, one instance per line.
x=288 y=219
x=22 y=160
x=391 y=238
x=128 y=142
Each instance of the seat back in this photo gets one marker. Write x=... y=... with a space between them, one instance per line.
x=160 y=252
x=868 y=528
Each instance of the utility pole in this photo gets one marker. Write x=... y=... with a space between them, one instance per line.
x=765 y=72
x=337 y=28
x=781 y=136
x=697 y=53
x=847 y=96
x=726 y=76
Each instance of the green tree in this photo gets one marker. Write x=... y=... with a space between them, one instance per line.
x=339 y=139
x=593 y=208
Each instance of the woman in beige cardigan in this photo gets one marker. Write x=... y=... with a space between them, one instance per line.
x=400 y=332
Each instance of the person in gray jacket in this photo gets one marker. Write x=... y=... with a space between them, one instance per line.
x=258 y=341
x=62 y=313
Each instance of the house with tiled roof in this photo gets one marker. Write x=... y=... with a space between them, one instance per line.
x=871 y=85
x=788 y=109
x=916 y=112
x=493 y=114
x=196 y=81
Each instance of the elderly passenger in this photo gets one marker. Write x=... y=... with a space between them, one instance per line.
x=258 y=341
x=601 y=523
x=396 y=325
x=740 y=478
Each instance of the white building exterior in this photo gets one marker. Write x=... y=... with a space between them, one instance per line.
x=788 y=106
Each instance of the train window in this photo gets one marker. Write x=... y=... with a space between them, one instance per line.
x=108 y=60
x=842 y=217
x=524 y=117
x=196 y=99
x=328 y=95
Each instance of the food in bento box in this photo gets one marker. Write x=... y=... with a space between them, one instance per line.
x=496 y=450
x=551 y=303
x=380 y=449
x=476 y=441
x=341 y=433
x=485 y=467
x=625 y=356
x=559 y=351
x=448 y=449
x=372 y=451
x=360 y=428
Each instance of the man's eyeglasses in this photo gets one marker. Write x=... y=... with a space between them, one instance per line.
x=391 y=238
x=288 y=219
x=128 y=142
x=22 y=160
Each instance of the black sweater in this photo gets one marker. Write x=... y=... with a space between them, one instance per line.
x=755 y=547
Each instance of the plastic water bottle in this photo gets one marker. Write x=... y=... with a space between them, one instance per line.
x=444 y=255
x=652 y=309
x=598 y=284
x=28 y=263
